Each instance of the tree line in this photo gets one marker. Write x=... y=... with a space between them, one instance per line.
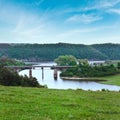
x=48 y=52
x=81 y=67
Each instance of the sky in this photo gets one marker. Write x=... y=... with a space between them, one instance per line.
x=55 y=21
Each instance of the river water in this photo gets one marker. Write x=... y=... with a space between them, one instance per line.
x=65 y=84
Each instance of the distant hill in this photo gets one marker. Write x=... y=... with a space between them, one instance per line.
x=48 y=52
x=112 y=51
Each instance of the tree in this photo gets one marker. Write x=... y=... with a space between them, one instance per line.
x=5 y=61
x=83 y=62
x=83 y=69
x=118 y=65
x=66 y=60
x=12 y=78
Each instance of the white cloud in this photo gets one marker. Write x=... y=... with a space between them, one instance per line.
x=84 y=18
x=117 y=11
x=21 y=25
x=78 y=33
x=94 y=5
x=103 y=4
x=29 y=29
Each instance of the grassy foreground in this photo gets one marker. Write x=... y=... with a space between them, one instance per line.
x=113 y=80
x=17 y=103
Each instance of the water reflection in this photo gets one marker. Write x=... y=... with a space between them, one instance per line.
x=46 y=77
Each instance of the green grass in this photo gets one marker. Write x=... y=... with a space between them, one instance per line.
x=19 y=103
x=113 y=80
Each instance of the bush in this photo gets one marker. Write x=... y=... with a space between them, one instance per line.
x=118 y=65
x=12 y=78
x=85 y=70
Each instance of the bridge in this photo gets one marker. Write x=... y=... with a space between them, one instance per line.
x=56 y=68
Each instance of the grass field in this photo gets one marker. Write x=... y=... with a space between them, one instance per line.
x=113 y=80
x=18 y=103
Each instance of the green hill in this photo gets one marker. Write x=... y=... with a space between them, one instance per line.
x=112 y=51
x=48 y=52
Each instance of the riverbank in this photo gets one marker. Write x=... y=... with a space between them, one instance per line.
x=21 y=103
x=112 y=80
x=82 y=79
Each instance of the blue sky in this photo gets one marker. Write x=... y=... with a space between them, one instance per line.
x=53 y=21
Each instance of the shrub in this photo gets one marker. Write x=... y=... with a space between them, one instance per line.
x=85 y=70
x=12 y=78
x=118 y=65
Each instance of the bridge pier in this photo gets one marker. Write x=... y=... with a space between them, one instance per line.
x=42 y=73
x=30 y=73
x=55 y=73
x=56 y=68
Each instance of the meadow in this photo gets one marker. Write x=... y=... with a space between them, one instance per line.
x=113 y=79
x=25 y=103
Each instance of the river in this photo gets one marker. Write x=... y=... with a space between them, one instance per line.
x=65 y=84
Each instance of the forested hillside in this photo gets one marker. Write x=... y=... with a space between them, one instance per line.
x=112 y=51
x=40 y=52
